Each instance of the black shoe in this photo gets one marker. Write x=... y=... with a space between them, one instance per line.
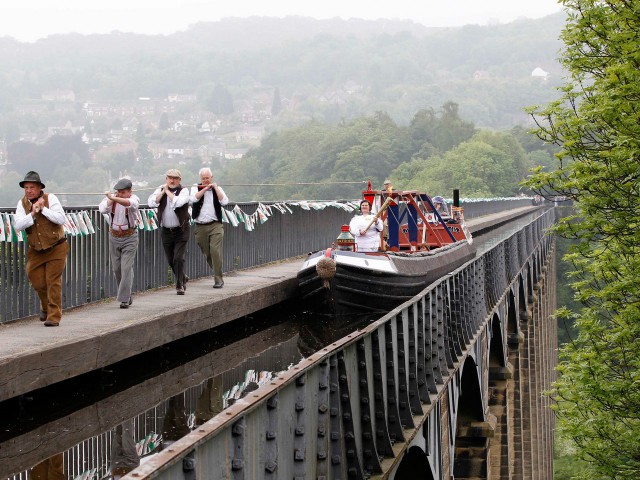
x=50 y=323
x=130 y=300
x=180 y=291
x=125 y=304
x=218 y=284
x=42 y=315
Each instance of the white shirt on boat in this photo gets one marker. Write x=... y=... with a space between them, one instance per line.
x=370 y=241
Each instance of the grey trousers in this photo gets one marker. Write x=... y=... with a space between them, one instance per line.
x=124 y=456
x=122 y=251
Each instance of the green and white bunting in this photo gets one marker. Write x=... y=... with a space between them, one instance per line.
x=88 y=222
x=2 y=228
x=11 y=235
x=231 y=217
x=76 y=224
x=80 y=223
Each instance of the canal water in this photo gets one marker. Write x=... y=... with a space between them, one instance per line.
x=136 y=407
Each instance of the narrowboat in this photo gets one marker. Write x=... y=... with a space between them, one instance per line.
x=418 y=245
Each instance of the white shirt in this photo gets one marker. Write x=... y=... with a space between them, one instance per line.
x=370 y=241
x=54 y=212
x=119 y=220
x=208 y=211
x=169 y=217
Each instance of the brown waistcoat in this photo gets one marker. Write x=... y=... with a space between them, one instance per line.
x=43 y=233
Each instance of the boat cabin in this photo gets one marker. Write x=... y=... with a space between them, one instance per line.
x=412 y=222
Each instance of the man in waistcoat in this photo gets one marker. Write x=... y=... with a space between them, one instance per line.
x=207 y=200
x=41 y=216
x=172 y=201
x=122 y=209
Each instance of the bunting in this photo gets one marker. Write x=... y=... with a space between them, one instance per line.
x=76 y=224
x=79 y=224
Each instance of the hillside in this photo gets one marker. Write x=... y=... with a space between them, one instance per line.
x=394 y=66
x=87 y=109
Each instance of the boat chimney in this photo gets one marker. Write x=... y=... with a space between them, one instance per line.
x=456 y=198
x=345 y=240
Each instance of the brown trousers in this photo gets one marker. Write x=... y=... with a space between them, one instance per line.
x=50 y=469
x=44 y=269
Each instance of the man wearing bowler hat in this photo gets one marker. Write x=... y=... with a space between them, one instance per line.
x=41 y=216
x=172 y=201
x=122 y=209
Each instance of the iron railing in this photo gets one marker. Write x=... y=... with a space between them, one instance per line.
x=88 y=277
x=339 y=412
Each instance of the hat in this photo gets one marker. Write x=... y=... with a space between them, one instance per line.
x=172 y=172
x=31 y=177
x=386 y=180
x=123 y=184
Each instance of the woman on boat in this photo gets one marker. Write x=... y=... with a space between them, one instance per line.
x=366 y=233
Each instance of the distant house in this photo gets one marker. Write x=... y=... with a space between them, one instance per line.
x=480 y=74
x=540 y=73
x=95 y=109
x=160 y=150
x=125 y=146
x=212 y=149
x=97 y=138
x=351 y=87
x=235 y=153
x=176 y=97
x=32 y=137
x=59 y=96
x=206 y=127
x=32 y=107
x=67 y=129
x=175 y=152
x=183 y=126
x=333 y=98
x=249 y=133
x=130 y=125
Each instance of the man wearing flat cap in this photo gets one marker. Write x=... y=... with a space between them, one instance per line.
x=122 y=210
x=41 y=216
x=172 y=201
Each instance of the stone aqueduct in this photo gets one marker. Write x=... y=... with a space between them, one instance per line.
x=449 y=385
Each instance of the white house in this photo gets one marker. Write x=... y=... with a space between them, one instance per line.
x=540 y=73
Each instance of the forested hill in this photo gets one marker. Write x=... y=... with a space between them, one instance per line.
x=282 y=100
x=393 y=66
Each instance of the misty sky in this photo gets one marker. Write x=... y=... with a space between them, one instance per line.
x=34 y=19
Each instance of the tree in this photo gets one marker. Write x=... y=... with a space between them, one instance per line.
x=596 y=125
x=144 y=159
x=163 y=124
x=488 y=165
x=276 y=106
x=443 y=131
x=220 y=101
